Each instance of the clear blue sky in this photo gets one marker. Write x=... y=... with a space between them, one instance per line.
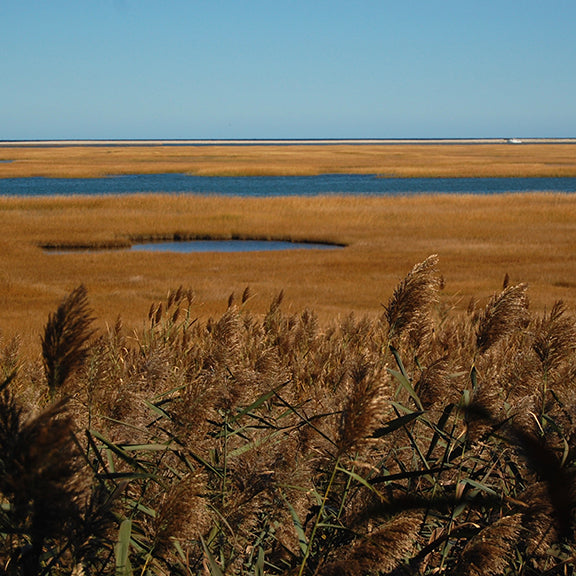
x=101 y=69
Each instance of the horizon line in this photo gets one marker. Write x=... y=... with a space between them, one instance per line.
x=278 y=141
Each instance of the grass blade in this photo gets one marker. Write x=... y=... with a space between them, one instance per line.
x=302 y=540
x=123 y=566
x=215 y=570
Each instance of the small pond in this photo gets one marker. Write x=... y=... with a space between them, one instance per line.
x=228 y=246
x=189 y=246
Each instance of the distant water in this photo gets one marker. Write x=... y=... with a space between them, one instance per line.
x=264 y=186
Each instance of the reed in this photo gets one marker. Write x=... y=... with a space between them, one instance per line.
x=63 y=344
x=420 y=440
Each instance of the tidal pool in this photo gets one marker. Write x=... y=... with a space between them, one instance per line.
x=189 y=246
x=229 y=246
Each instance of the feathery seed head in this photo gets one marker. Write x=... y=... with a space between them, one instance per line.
x=364 y=409
x=65 y=338
x=408 y=312
x=505 y=314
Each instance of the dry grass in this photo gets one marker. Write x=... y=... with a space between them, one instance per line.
x=479 y=239
x=422 y=435
x=388 y=160
x=422 y=441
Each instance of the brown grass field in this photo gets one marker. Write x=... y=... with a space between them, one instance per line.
x=430 y=433
x=427 y=160
x=479 y=239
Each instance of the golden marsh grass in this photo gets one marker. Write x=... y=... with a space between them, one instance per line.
x=479 y=239
x=423 y=441
x=389 y=160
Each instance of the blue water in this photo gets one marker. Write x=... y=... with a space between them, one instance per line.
x=228 y=246
x=263 y=186
x=188 y=246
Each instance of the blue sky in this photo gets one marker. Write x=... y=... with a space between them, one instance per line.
x=100 y=69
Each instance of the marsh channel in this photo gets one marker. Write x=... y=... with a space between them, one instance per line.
x=266 y=186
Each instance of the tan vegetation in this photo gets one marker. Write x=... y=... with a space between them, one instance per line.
x=420 y=441
x=480 y=239
x=387 y=160
x=360 y=424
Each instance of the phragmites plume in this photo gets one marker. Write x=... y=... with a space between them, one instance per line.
x=65 y=337
x=246 y=295
x=492 y=549
x=364 y=410
x=435 y=384
x=539 y=520
x=504 y=315
x=180 y=296
x=182 y=514
x=555 y=337
x=382 y=551
x=41 y=481
x=408 y=311
x=272 y=317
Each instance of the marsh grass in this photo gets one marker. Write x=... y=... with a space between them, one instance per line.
x=423 y=440
x=426 y=160
x=480 y=239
